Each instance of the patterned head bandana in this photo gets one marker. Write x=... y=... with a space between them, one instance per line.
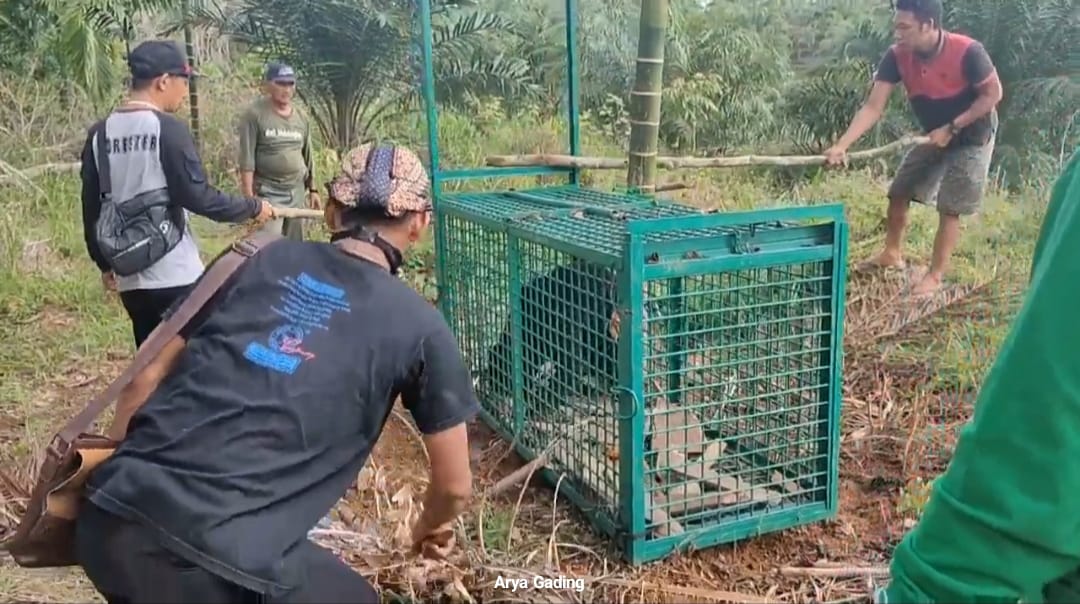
x=389 y=178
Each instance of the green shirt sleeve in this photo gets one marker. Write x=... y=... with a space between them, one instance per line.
x=247 y=135
x=309 y=176
x=1002 y=521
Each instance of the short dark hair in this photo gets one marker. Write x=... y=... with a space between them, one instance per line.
x=374 y=218
x=925 y=11
x=140 y=84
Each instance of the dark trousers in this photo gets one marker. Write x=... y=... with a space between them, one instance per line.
x=145 y=308
x=127 y=566
x=293 y=228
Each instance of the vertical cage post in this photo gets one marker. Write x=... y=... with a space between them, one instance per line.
x=632 y=420
x=517 y=362
x=445 y=292
x=428 y=89
x=835 y=377
x=572 y=91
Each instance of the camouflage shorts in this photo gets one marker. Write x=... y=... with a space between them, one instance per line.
x=952 y=179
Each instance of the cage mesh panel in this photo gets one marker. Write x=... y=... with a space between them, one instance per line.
x=479 y=260
x=736 y=383
x=569 y=368
x=737 y=364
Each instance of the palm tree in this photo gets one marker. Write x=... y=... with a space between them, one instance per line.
x=724 y=68
x=92 y=34
x=359 y=59
x=84 y=39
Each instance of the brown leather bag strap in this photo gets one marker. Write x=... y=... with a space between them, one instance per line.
x=212 y=280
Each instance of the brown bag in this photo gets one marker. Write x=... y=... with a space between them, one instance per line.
x=45 y=536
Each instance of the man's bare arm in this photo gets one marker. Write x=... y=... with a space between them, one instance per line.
x=988 y=98
x=247 y=183
x=867 y=115
x=980 y=71
x=440 y=397
x=247 y=139
x=144 y=383
x=450 y=488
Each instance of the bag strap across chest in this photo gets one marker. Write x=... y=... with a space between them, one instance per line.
x=103 y=166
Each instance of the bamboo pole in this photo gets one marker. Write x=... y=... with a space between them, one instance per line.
x=645 y=96
x=675 y=163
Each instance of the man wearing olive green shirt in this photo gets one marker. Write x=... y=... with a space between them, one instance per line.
x=275 y=150
x=1003 y=521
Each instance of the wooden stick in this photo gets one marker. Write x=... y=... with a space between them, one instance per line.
x=517 y=475
x=687 y=592
x=847 y=572
x=570 y=161
x=614 y=163
x=671 y=186
x=298 y=213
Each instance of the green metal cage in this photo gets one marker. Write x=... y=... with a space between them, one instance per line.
x=680 y=369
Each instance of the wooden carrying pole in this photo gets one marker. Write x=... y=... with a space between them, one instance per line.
x=570 y=161
x=674 y=163
x=297 y=213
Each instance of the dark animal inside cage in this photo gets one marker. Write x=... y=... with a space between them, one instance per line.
x=569 y=333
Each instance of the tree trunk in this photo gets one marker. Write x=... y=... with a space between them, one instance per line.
x=193 y=93
x=645 y=96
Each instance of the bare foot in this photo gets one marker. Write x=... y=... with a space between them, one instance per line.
x=883 y=260
x=926 y=286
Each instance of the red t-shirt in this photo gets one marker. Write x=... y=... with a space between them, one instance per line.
x=942 y=86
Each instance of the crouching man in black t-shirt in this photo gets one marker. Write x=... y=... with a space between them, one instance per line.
x=259 y=416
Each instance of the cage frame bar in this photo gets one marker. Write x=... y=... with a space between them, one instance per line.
x=436 y=174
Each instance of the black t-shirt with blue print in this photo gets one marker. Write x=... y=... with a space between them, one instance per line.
x=284 y=386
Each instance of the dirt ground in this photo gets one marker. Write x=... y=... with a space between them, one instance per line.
x=833 y=561
x=527 y=532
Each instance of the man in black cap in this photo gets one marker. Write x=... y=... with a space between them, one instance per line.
x=153 y=164
x=275 y=149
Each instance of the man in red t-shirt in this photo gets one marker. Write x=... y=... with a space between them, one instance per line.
x=953 y=89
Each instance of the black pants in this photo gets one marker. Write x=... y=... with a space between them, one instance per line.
x=293 y=228
x=127 y=566
x=146 y=306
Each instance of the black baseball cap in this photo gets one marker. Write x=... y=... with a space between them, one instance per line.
x=156 y=58
x=280 y=72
